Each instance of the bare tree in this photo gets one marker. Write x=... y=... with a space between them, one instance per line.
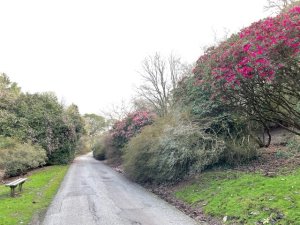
x=140 y=104
x=220 y=36
x=175 y=67
x=115 y=112
x=160 y=76
x=277 y=6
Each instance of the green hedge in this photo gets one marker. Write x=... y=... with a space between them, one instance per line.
x=17 y=158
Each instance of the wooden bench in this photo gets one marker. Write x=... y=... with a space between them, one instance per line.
x=14 y=184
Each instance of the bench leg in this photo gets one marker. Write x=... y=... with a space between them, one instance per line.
x=12 y=191
x=20 y=187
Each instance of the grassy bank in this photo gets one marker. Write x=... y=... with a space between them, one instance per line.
x=37 y=194
x=246 y=198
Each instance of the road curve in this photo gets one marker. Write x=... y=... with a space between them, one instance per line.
x=94 y=194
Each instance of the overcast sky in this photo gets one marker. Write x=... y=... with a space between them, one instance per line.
x=89 y=51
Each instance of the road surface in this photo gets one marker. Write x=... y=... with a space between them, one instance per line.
x=92 y=193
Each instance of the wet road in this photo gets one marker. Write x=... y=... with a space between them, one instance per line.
x=92 y=193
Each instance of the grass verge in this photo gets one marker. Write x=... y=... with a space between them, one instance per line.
x=38 y=192
x=246 y=198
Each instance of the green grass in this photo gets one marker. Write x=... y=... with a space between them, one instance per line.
x=38 y=191
x=246 y=198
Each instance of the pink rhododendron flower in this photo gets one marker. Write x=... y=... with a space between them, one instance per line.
x=255 y=53
x=124 y=129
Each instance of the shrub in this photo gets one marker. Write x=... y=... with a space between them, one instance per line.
x=99 y=148
x=219 y=118
x=170 y=149
x=124 y=129
x=113 y=154
x=2 y=173
x=239 y=150
x=40 y=119
x=103 y=148
x=293 y=145
x=54 y=128
x=187 y=148
x=17 y=158
x=84 y=145
x=257 y=71
x=141 y=153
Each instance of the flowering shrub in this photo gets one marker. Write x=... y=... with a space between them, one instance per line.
x=124 y=129
x=258 y=70
x=257 y=51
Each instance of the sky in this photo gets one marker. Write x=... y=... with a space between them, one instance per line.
x=89 y=52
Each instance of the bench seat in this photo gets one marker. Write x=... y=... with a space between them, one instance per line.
x=14 y=184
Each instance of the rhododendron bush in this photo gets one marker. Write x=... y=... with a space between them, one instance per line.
x=124 y=129
x=258 y=71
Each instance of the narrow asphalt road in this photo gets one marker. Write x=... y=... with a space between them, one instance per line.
x=92 y=193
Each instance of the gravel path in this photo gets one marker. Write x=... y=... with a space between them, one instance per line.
x=92 y=193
